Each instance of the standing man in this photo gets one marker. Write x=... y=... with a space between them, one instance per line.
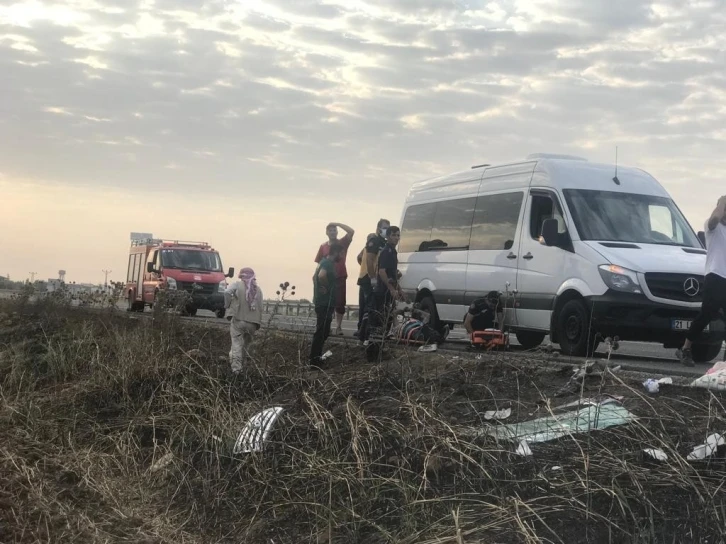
x=324 y=288
x=368 y=277
x=340 y=270
x=364 y=284
x=387 y=289
x=243 y=303
x=714 y=290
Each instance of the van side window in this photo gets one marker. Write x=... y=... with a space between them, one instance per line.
x=416 y=227
x=544 y=207
x=495 y=221
x=452 y=224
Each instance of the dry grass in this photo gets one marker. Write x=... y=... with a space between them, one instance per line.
x=121 y=430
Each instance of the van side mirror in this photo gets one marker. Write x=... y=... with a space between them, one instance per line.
x=150 y=267
x=230 y=273
x=702 y=237
x=549 y=231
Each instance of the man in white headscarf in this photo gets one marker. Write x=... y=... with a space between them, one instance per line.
x=243 y=302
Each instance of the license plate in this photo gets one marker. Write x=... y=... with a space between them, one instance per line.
x=684 y=325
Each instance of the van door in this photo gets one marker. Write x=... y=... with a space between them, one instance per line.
x=493 y=248
x=542 y=269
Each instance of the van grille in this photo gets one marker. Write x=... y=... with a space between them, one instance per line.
x=202 y=288
x=673 y=286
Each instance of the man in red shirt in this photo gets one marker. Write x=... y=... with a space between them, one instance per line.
x=341 y=272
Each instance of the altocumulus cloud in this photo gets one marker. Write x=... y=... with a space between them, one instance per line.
x=279 y=94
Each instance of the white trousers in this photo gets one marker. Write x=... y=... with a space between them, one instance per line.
x=242 y=334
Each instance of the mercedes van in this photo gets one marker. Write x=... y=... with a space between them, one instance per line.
x=580 y=251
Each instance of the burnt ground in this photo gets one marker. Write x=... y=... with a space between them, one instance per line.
x=393 y=451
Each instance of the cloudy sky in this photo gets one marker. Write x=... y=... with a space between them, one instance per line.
x=252 y=123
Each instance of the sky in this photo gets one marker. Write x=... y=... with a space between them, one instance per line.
x=251 y=124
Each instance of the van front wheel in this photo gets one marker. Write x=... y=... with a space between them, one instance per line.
x=529 y=339
x=573 y=330
x=705 y=353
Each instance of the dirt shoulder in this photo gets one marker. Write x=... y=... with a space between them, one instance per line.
x=118 y=430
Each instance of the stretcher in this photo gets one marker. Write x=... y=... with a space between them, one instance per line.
x=490 y=339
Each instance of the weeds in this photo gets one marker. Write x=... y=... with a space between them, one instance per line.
x=121 y=430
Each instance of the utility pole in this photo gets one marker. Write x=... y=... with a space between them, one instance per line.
x=106 y=273
x=32 y=276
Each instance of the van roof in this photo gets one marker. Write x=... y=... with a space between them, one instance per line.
x=569 y=172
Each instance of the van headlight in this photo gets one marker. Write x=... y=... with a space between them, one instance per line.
x=170 y=283
x=222 y=286
x=620 y=279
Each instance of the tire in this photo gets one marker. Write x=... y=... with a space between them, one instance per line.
x=428 y=305
x=220 y=314
x=573 y=330
x=530 y=339
x=189 y=311
x=705 y=353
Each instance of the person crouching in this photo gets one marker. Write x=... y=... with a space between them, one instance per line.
x=243 y=303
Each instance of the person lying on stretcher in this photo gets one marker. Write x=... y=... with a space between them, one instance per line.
x=484 y=314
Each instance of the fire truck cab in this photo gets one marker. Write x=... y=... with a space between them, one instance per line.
x=189 y=273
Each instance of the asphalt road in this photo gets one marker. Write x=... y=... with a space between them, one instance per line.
x=638 y=356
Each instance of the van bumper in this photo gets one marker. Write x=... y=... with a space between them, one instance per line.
x=636 y=318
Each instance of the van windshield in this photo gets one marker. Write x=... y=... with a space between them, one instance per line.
x=608 y=216
x=189 y=259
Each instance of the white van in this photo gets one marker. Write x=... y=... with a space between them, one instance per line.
x=578 y=249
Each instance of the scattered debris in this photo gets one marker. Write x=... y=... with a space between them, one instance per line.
x=653 y=386
x=327 y=355
x=708 y=448
x=656 y=453
x=553 y=427
x=257 y=430
x=428 y=348
x=597 y=401
x=163 y=462
x=498 y=414
x=523 y=449
x=715 y=378
x=589 y=369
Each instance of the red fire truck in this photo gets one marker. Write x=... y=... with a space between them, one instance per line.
x=188 y=271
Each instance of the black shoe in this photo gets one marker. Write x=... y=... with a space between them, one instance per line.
x=685 y=356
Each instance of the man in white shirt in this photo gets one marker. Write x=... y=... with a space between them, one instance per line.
x=714 y=291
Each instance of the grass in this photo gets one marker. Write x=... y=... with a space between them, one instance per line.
x=121 y=430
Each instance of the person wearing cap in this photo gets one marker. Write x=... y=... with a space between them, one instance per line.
x=243 y=309
x=484 y=313
x=341 y=272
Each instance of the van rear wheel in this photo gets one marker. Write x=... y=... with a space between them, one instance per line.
x=573 y=330
x=530 y=339
x=428 y=305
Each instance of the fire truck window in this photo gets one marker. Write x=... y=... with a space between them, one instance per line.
x=130 y=272
x=135 y=269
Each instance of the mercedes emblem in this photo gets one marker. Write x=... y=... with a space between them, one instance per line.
x=691 y=287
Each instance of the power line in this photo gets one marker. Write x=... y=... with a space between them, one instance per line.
x=106 y=273
x=32 y=276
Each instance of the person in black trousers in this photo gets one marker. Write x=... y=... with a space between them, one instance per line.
x=714 y=290
x=324 y=290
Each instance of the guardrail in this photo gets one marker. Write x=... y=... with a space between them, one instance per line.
x=303 y=309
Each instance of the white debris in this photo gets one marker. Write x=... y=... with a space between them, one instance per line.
x=653 y=386
x=163 y=462
x=656 y=453
x=257 y=430
x=523 y=449
x=708 y=448
x=498 y=414
x=327 y=355
x=715 y=378
x=428 y=348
